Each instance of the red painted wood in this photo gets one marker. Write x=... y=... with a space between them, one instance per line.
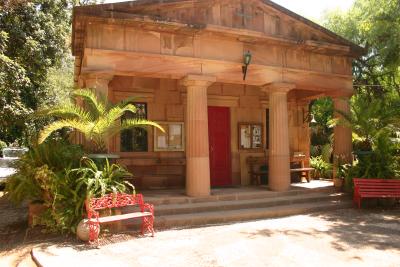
x=219 y=132
x=375 y=188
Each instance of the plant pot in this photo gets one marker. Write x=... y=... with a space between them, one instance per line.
x=338 y=182
x=35 y=210
x=82 y=230
x=100 y=159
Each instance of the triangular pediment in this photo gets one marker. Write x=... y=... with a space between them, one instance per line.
x=261 y=16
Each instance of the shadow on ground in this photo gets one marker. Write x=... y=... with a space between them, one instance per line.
x=379 y=229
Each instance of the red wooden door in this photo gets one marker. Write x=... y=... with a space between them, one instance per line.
x=219 y=132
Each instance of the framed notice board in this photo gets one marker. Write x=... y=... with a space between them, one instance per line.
x=250 y=136
x=173 y=139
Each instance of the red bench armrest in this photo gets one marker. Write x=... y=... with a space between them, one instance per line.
x=149 y=208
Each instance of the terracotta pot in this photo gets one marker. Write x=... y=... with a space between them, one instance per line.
x=338 y=182
x=35 y=210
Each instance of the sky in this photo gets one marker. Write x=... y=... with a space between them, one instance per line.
x=312 y=9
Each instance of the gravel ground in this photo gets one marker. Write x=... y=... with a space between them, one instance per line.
x=342 y=238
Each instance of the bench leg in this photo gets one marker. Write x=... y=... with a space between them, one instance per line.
x=94 y=230
x=147 y=225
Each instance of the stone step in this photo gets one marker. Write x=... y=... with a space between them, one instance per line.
x=229 y=196
x=218 y=217
x=174 y=209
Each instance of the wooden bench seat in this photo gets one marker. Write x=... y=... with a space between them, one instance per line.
x=375 y=188
x=307 y=171
x=109 y=201
x=121 y=217
x=255 y=175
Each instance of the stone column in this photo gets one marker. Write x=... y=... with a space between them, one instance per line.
x=343 y=145
x=279 y=153
x=99 y=83
x=197 y=150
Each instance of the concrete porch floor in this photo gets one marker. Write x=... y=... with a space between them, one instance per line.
x=168 y=196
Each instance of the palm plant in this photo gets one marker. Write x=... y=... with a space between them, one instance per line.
x=96 y=119
x=370 y=119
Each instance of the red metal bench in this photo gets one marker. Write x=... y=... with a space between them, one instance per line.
x=375 y=188
x=119 y=200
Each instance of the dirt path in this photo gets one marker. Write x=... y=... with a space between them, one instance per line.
x=341 y=238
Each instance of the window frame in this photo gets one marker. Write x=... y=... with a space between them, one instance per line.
x=148 y=133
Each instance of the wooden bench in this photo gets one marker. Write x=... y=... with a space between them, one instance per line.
x=119 y=200
x=306 y=171
x=375 y=188
x=255 y=175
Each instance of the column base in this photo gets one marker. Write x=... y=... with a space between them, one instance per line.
x=279 y=173
x=198 y=177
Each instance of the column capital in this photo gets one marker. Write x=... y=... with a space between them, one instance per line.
x=98 y=76
x=278 y=87
x=198 y=80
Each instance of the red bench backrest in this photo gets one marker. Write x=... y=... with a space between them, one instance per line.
x=374 y=180
x=115 y=201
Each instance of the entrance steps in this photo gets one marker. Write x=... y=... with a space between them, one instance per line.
x=224 y=207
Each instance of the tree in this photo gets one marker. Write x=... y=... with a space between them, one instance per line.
x=33 y=38
x=375 y=25
x=36 y=69
x=98 y=120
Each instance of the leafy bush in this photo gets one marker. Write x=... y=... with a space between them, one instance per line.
x=56 y=174
x=72 y=189
x=322 y=168
x=38 y=167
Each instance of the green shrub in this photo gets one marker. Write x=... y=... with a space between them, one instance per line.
x=38 y=167
x=322 y=168
x=71 y=191
x=56 y=174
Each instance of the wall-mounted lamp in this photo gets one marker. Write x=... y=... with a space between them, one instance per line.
x=246 y=63
x=308 y=117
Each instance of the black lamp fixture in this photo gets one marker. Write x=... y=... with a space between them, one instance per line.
x=246 y=63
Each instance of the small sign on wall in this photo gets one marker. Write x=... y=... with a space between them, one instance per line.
x=250 y=136
x=172 y=139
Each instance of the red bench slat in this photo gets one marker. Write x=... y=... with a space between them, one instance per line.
x=121 y=217
x=375 y=188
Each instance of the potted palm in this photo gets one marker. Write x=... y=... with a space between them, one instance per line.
x=97 y=119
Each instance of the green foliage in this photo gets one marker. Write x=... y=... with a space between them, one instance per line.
x=375 y=25
x=33 y=38
x=35 y=65
x=322 y=168
x=73 y=188
x=321 y=132
x=371 y=121
x=55 y=173
x=99 y=181
x=98 y=120
x=38 y=167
